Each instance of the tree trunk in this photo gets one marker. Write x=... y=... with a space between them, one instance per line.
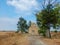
x=48 y=35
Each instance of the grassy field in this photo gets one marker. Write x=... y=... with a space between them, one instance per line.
x=55 y=40
x=12 y=38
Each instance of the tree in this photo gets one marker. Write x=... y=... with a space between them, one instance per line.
x=29 y=23
x=46 y=17
x=22 y=25
x=57 y=11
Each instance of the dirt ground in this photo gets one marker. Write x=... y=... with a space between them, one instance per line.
x=55 y=40
x=12 y=38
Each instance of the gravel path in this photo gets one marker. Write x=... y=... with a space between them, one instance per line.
x=34 y=40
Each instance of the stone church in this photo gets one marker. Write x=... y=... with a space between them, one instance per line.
x=33 y=29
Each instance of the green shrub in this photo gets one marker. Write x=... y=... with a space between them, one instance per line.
x=42 y=32
x=55 y=31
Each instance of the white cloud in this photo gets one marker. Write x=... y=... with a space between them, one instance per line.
x=23 y=4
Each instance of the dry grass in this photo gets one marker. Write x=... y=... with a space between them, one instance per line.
x=55 y=35
x=11 y=38
x=51 y=41
x=55 y=40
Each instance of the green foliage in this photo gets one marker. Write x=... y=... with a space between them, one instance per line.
x=42 y=32
x=22 y=25
x=47 y=16
x=55 y=31
x=57 y=11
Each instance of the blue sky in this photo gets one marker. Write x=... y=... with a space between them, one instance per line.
x=11 y=10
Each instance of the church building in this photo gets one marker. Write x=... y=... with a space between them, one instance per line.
x=33 y=29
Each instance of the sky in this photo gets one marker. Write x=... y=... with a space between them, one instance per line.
x=11 y=10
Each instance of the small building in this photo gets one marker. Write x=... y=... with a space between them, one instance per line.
x=33 y=29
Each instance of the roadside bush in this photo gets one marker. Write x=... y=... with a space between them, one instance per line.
x=55 y=31
x=42 y=32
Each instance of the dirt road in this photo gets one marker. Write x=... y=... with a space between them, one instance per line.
x=35 y=40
